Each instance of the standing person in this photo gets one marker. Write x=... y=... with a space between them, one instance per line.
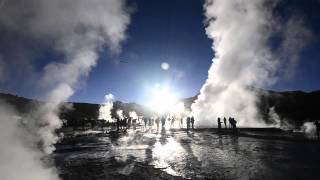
x=149 y=121
x=157 y=122
x=145 y=122
x=125 y=123
x=188 y=123
x=230 y=124
x=225 y=122
x=192 y=122
x=121 y=124
x=163 y=121
x=134 y=122
x=219 y=123
x=152 y=121
x=181 y=122
x=317 y=128
x=169 y=121
x=118 y=123
x=234 y=124
x=129 y=122
x=172 y=121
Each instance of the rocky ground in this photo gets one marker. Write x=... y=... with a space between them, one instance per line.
x=181 y=154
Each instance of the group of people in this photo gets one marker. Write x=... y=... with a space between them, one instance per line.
x=232 y=123
x=125 y=123
x=190 y=122
x=147 y=122
x=172 y=120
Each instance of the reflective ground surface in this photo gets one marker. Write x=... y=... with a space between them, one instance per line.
x=178 y=154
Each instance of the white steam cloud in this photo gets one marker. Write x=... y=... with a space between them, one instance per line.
x=133 y=115
x=76 y=29
x=120 y=114
x=310 y=129
x=19 y=156
x=240 y=31
x=106 y=107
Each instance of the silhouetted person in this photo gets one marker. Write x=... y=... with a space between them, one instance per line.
x=134 y=122
x=145 y=122
x=181 y=123
x=125 y=123
x=118 y=123
x=317 y=128
x=225 y=122
x=192 y=122
x=149 y=121
x=234 y=124
x=157 y=122
x=172 y=121
x=128 y=122
x=230 y=119
x=188 y=123
x=163 y=121
x=219 y=123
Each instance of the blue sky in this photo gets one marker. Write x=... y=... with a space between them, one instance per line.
x=159 y=32
x=171 y=31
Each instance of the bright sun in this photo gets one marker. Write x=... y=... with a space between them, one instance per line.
x=163 y=101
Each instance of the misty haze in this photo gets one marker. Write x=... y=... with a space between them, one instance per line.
x=170 y=89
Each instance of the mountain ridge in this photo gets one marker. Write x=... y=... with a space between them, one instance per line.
x=294 y=107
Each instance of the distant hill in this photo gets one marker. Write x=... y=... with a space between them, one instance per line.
x=295 y=107
x=74 y=111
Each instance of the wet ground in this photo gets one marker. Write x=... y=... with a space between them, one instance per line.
x=178 y=154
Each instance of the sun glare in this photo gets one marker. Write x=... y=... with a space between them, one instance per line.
x=163 y=100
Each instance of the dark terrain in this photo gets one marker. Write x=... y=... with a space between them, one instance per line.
x=293 y=107
x=180 y=154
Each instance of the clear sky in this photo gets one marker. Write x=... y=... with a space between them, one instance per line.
x=159 y=32
x=171 y=31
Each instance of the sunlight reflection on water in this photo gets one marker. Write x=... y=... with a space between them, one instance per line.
x=165 y=153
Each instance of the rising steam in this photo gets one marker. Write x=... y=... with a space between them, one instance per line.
x=77 y=30
x=106 y=107
x=309 y=129
x=120 y=114
x=19 y=159
x=240 y=31
x=133 y=115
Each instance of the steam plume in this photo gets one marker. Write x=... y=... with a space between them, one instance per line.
x=120 y=114
x=309 y=129
x=77 y=30
x=19 y=159
x=241 y=31
x=133 y=115
x=106 y=107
